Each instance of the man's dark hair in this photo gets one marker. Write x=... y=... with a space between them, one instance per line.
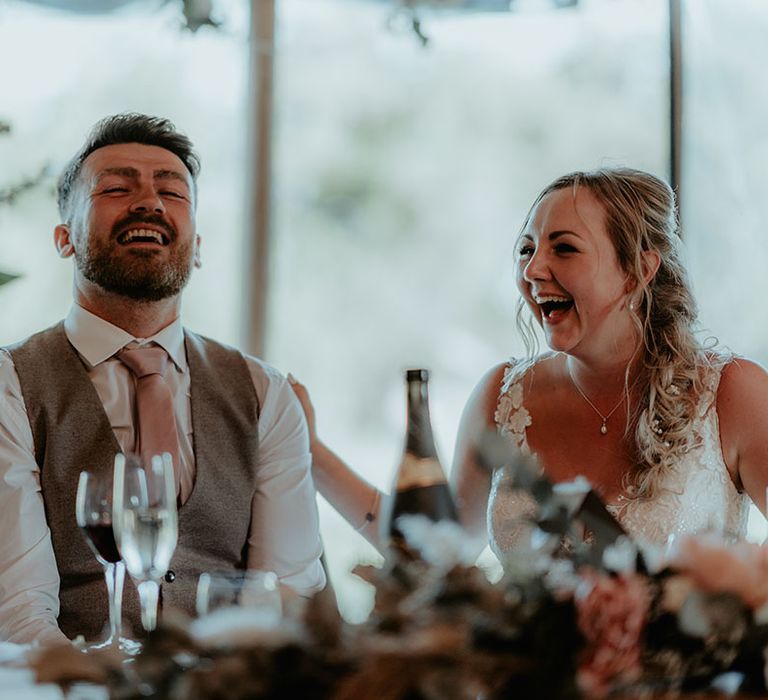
x=130 y=127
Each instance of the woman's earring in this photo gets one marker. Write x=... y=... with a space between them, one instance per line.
x=631 y=305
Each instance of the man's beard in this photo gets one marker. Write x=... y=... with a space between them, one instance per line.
x=137 y=274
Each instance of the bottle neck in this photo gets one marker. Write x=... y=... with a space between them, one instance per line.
x=420 y=486
x=419 y=440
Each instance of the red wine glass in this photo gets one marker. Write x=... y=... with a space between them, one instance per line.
x=93 y=510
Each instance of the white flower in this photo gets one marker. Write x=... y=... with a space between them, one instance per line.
x=443 y=544
x=621 y=556
x=237 y=626
x=561 y=576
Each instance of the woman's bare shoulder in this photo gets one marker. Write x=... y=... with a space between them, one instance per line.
x=743 y=382
x=742 y=409
x=499 y=379
x=486 y=393
x=742 y=401
x=741 y=373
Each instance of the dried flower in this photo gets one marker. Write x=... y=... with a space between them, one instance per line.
x=611 y=614
x=444 y=544
x=741 y=569
x=621 y=556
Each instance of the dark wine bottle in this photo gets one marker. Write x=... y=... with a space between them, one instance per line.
x=420 y=486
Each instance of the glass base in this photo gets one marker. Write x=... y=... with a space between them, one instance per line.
x=129 y=647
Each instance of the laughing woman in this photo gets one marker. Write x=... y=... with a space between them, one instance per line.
x=672 y=434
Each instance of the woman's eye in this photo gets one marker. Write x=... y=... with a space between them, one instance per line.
x=170 y=193
x=565 y=248
x=525 y=251
x=110 y=190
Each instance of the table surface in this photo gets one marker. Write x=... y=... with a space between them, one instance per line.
x=18 y=681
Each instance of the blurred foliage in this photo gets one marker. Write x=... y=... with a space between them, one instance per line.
x=408 y=13
x=198 y=13
x=10 y=193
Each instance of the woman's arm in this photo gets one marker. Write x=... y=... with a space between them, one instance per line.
x=353 y=497
x=742 y=408
x=471 y=483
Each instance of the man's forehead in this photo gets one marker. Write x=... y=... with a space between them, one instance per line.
x=136 y=157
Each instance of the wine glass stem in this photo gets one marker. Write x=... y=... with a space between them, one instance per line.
x=115 y=576
x=149 y=592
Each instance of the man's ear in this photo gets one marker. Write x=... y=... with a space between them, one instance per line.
x=196 y=257
x=62 y=238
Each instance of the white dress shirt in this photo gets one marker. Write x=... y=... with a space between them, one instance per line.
x=284 y=535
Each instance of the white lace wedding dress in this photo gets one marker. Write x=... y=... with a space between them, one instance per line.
x=697 y=495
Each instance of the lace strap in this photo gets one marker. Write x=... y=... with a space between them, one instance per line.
x=512 y=418
x=712 y=372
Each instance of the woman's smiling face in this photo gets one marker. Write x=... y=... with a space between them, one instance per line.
x=570 y=277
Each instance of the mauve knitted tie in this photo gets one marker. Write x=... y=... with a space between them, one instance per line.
x=154 y=404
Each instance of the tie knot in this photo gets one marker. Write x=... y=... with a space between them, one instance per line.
x=144 y=361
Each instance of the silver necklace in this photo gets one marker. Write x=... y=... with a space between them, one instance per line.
x=604 y=418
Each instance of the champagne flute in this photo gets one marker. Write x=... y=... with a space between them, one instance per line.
x=235 y=603
x=93 y=511
x=146 y=525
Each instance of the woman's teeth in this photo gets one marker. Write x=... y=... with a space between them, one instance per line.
x=554 y=306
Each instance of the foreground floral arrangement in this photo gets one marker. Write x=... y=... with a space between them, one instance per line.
x=585 y=620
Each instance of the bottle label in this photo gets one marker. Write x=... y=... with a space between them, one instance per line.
x=418 y=472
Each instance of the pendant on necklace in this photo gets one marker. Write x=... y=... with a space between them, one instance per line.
x=603 y=428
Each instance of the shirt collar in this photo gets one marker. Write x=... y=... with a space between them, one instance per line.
x=97 y=340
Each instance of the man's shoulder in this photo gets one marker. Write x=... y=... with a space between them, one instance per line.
x=29 y=359
x=37 y=340
x=266 y=380
x=210 y=347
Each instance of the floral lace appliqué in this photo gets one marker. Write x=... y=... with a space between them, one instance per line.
x=512 y=417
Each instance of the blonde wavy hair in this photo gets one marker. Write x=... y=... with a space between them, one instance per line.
x=641 y=215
